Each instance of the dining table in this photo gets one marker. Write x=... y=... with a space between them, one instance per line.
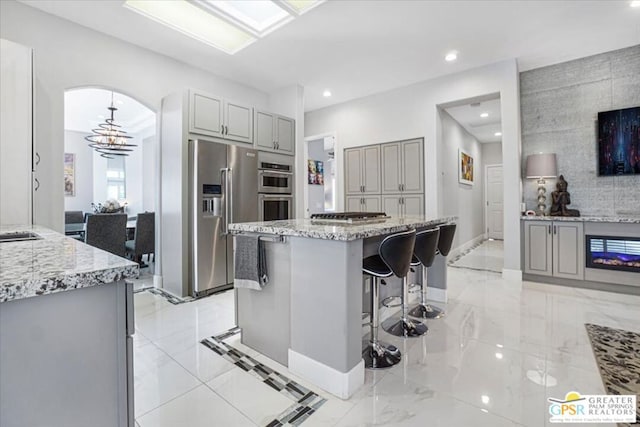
x=78 y=228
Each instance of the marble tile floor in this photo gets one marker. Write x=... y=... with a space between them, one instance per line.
x=488 y=255
x=502 y=349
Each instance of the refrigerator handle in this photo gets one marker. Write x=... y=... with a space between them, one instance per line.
x=228 y=201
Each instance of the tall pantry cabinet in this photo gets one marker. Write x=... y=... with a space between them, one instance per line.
x=16 y=133
x=386 y=177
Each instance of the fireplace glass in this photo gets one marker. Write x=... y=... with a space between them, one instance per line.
x=613 y=253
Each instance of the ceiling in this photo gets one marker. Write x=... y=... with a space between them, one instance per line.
x=482 y=128
x=85 y=108
x=356 y=48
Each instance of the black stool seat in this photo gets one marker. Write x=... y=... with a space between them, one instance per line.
x=375 y=266
x=429 y=243
x=394 y=256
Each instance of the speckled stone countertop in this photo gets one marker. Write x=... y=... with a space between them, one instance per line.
x=54 y=264
x=629 y=220
x=342 y=232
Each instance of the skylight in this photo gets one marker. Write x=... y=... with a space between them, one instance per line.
x=193 y=22
x=228 y=25
x=259 y=15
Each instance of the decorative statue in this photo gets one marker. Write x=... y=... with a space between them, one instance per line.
x=561 y=199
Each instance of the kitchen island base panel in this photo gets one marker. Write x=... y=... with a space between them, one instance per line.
x=340 y=384
x=66 y=358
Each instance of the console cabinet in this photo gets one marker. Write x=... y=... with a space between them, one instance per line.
x=362 y=170
x=364 y=204
x=554 y=248
x=402 y=170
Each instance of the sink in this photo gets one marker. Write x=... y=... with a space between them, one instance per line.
x=18 y=236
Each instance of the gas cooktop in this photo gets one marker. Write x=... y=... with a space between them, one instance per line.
x=349 y=217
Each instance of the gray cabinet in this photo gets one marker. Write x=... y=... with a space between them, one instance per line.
x=211 y=115
x=16 y=134
x=363 y=204
x=403 y=204
x=402 y=167
x=362 y=170
x=274 y=132
x=554 y=248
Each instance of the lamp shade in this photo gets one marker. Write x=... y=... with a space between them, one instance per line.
x=542 y=166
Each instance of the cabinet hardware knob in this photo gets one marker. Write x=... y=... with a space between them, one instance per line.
x=37 y=185
x=37 y=158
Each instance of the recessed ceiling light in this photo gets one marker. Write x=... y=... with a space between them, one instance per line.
x=485 y=399
x=484 y=115
x=499 y=355
x=635 y=3
x=194 y=22
x=326 y=93
x=451 y=56
x=498 y=134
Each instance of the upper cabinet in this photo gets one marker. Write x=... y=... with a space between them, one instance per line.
x=402 y=167
x=274 y=132
x=362 y=170
x=214 y=116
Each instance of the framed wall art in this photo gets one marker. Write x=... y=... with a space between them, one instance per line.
x=465 y=168
x=69 y=174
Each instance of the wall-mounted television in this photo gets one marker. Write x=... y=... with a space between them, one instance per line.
x=619 y=142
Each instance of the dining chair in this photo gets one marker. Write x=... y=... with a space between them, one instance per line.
x=144 y=237
x=107 y=232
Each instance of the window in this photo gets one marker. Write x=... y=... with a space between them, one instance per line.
x=116 y=188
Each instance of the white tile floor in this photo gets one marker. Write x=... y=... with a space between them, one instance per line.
x=484 y=364
x=487 y=256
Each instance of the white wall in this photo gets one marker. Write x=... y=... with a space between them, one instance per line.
x=492 y=153
x=149 y=179
x=67 y=55
x=75 y=143
x=464 y=201
x=411 y=112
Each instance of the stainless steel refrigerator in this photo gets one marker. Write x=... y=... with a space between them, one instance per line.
x=223 y=188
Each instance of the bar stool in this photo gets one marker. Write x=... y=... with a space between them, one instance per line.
x=394 y=257
x=426 y=251
x=403 y=326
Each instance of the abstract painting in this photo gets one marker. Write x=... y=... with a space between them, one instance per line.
x=465 y=168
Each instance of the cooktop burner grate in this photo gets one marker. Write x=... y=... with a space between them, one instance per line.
x=349 y=217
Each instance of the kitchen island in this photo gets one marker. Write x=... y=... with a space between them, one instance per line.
x=309 y=315
x=66 y=320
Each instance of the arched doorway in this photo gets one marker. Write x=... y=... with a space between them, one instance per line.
x=93 y=180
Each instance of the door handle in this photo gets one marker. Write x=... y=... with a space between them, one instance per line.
x=549 y=229
x=222 y=129
x=554 y=229
x=399 y=187
x=228 y=208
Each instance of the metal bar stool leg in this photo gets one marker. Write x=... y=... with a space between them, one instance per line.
x=405 y=327
x=378 y=355
x=424 y=310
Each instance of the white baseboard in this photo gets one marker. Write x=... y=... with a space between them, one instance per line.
x=512 y=274
x=157 y=281
x=340 y=384
x=465 y=246
x=437 y=294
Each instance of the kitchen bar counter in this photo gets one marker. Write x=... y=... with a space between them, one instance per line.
x=309 y=315
x=343 y=232
x=66 y=358
x=53 y=264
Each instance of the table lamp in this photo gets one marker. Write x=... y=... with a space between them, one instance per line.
x=541 y=166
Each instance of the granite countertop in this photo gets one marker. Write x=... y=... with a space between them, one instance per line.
x=630 y=220
x=343 y=232
x=54 y=264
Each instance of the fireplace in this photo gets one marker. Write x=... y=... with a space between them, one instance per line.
x=613 y=253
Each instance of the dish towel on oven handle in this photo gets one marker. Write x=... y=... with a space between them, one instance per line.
x=250 y=263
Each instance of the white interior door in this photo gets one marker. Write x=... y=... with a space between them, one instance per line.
x=494 y=213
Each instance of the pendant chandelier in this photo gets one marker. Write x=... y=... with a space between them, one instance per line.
x=109 y=139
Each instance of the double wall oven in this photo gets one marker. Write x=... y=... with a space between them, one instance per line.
x=275 y=187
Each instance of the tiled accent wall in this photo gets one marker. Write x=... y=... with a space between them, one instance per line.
x=560 y=106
